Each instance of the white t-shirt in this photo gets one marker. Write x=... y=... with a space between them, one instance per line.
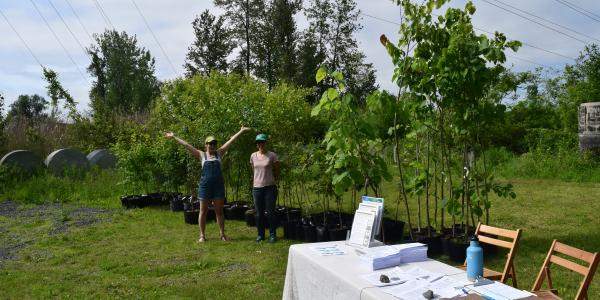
x=263 y=168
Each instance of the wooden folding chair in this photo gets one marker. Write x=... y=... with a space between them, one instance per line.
x=482 y=233
x=587 y=272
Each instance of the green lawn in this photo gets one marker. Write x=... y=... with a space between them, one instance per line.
x=151 y=253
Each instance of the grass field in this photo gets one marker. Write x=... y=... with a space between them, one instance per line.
x=151 y=253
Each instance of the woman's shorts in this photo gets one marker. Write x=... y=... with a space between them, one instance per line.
x=214 y=191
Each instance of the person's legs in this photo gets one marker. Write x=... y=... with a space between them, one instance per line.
x=270 y=199
x=220 y=218
x=259 y=206
x=270 y=194
x=202 y=218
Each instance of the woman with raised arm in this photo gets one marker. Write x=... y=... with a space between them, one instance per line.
x=211 y=186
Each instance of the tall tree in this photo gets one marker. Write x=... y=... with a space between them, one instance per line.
x=56 y=92
x=309 y=59
x=124 y=72
x=335 y=22
x=28 y=106
x=244 y=18
x=283 y=12
x=211 y=47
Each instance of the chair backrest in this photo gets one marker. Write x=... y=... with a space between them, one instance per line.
x=587 y=272
x=483 y=231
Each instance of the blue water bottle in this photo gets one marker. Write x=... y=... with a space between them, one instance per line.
x=474 y=260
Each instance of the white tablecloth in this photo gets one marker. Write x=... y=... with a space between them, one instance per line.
x=311 y=276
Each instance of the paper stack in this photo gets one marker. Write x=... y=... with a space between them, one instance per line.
x=412 y=252
x=381 y=257
x=389 y=256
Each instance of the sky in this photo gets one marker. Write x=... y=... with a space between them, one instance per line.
x=170 y=21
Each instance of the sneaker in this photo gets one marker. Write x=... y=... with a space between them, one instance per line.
x=259 y=239
x=272 y=239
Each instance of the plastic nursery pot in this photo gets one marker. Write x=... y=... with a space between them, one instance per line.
x=309 y=233
x=337 y=233
x=393 y=230
x=457 y=249
x=294 y=214
x=210 y=214
x=250 y=218
x=176 y=203
x=299 y=230
x=289 y=229
x=347 y=219
x=322 y=234
x=130 y=201
x=191 y=216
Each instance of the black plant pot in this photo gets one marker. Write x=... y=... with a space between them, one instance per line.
x=338 y=233
x=294 y=214
x=289 y=229
x=310 y=233
x=434 y=244
x=210 y=214
x=236 y=211
x=322 y=234
x=393 y=231
x=250 y=218
x=347 y=219
x=191 y=216
x=176 y=203
x=130 y=201
x=457 y=249
x=299 y=231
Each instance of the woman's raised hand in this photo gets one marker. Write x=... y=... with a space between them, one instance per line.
x=169 y=134
x=244 y=129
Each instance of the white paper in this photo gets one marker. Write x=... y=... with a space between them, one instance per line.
x=501 y=291
x=395 y=276
x=378 y=204
x=362 y=228
x=328 y=250
x=419 y=273
x=410 y=290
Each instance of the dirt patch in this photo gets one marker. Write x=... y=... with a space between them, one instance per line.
x=23 y=225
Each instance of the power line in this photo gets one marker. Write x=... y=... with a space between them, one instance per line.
x=68 y=28
x=103 y=14
x=551 y=22
x=154 y=36
x=529 y=61
x=79 y=20
x=580 y=10
x=482 y=30
x=58 y=40
x=536 y=22
x=21 y=38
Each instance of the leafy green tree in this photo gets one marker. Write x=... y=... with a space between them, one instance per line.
x=276 y=42
x=309 y=59
x=446 y=71
x=56 y=92
x=581 y=84
x=244 y=17
x=334 y=24
x=211 y=47
x=124 y=72
x=28 y=106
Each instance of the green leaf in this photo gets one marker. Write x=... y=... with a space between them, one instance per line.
x=332 y=94
x=321 y=74
x=338 y=76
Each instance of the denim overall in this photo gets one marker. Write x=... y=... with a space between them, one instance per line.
x=211 y=185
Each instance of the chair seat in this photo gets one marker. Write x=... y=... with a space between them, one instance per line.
x=487 y=273
x=547 y=295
